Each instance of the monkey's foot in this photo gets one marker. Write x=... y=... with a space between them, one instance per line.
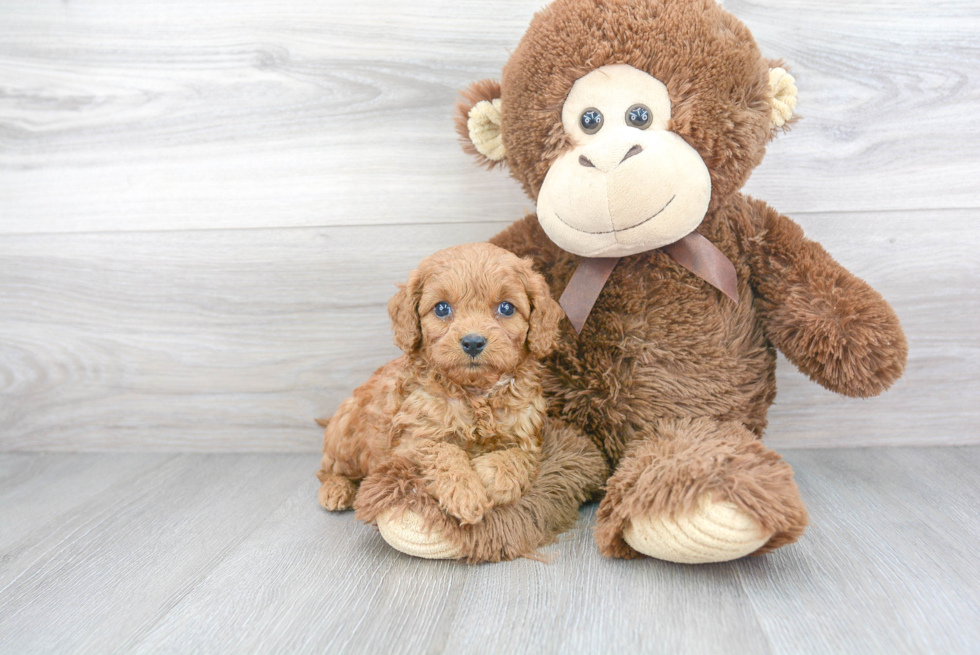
x=715 y=532
x=699 y=490
x=409 y=534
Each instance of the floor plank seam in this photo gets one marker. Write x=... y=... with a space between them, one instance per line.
x=133 y=643
x=88 y=526
x=756 y=613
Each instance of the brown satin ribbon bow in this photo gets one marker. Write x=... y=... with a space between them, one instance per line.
x=693 y=252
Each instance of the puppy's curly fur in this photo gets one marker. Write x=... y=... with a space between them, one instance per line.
x=470 y=423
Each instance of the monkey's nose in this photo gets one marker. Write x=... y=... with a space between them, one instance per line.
x=635 y=150
x=607 y=156
x=473 y=344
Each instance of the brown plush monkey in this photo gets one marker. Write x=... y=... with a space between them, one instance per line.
x=634 y=124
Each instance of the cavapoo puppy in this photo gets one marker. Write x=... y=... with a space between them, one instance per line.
x=464 y=403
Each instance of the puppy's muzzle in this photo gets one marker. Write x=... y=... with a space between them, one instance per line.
x=473 y=344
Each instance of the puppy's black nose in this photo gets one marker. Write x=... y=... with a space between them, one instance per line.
x=473 y=344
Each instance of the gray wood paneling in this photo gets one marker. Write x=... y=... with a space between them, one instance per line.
x=231 y=554
x=210 y=340
x=889 y=93
x=176 y=115
x=236 y=340
x=203 y=205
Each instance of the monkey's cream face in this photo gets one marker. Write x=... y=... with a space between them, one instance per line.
x=628 y=184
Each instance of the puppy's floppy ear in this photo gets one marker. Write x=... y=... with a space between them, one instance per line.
x=542 y=332
x=403 y=308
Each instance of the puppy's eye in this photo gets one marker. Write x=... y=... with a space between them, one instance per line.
x=638 y=116
x=505 y=309
x=591 y=120
x=442 y=309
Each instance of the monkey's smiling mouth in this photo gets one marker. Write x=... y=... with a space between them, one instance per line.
x=631 y=227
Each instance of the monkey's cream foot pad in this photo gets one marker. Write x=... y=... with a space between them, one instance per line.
x=408 y=534
x=715 y=532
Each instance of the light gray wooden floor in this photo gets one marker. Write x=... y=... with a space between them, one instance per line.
x=209 y=553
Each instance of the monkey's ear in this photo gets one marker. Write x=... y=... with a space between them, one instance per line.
x=403 y=308
x=478 y=122
x=542 y=331
x=782 y=91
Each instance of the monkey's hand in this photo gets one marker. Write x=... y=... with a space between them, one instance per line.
x=831 y=324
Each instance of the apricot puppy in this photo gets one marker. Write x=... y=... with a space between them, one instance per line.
x=464 y=402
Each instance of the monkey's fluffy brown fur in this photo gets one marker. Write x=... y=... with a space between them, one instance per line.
x=670 y=380
x=469 y=425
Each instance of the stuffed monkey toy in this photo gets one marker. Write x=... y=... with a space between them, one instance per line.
x=634 y=124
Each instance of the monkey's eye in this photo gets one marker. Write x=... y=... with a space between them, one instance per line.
x=505 y=309
x=442 y=309
x=591 y=120
x=638 y=116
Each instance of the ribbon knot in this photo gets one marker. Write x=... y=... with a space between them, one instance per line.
x=693 y=252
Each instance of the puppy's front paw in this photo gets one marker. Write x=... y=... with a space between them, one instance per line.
x=505 y=482
x=336 y=492
x=461 y=495
x=467 y=503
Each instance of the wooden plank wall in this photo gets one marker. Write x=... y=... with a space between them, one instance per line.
x=204 y=205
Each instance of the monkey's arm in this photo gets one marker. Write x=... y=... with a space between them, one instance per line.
x=831 y=324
